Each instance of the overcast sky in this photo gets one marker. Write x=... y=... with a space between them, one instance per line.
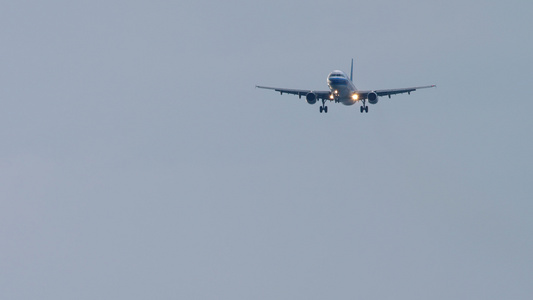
x=138 y=161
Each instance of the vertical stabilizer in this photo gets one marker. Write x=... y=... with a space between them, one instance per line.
x=351 y=72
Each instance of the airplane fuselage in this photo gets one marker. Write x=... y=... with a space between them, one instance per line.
x=341 y=87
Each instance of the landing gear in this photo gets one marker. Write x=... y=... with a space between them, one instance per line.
x=335 y=96
x=364 y=108
x=323 y=108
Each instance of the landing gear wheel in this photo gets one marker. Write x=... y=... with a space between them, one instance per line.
x=361 y=109
x=325 y=109
x=366 y=109
x=321 y=109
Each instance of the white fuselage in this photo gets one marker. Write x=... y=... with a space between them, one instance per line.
x=341 y=87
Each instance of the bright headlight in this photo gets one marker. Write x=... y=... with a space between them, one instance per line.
x=355 y=96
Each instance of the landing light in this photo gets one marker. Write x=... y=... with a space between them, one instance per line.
x=336 y=92
x=331 y=97
x=355 y=96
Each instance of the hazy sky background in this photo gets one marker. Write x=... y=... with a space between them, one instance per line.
x=138 y=161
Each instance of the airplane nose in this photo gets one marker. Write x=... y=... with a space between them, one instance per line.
x=337 y=81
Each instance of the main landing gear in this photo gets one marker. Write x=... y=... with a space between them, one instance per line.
x=364 y=108
x=323 y=108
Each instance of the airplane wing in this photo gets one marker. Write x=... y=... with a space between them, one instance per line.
x=300 y=93
x=389 y=92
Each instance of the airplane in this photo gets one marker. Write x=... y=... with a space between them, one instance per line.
x=342 y=89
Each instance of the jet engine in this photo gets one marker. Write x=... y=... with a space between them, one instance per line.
x=311 y=98
x=372 y=98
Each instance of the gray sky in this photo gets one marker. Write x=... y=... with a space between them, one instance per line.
x=138 y=161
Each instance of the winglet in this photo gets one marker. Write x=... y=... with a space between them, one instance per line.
x=351 y=72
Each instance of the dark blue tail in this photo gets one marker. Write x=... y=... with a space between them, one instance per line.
x=351 y=72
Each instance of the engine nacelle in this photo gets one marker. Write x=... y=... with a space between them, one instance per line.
x=311 y=98
x=372 y=98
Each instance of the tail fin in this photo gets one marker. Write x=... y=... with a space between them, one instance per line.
x=351 y=72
